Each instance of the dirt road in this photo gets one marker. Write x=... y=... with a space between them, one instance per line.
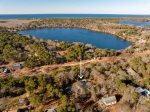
x=47 y=68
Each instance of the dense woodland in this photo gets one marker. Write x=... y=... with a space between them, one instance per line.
x=15 y=47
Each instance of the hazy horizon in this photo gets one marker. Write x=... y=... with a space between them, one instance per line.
x=68 y=14
x=138 y=7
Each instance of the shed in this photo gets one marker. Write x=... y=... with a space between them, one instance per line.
x=109 y=100
x=18 y=65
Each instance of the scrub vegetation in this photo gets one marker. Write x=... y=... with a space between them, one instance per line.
x=50 y=77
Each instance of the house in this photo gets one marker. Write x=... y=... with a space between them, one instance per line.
x=139 y=90
x=89 y=46
x=50 y=110
x=143 y=92
x=81 y=88
x=91 y=50
x=142 y=41
x=4 y=70
x=108 y=101
x=18 y=65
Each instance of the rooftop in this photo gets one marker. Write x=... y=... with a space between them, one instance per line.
x=109 y=100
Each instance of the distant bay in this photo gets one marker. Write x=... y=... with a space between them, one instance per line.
x=135 y=23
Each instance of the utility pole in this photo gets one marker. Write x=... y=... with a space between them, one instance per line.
x=80 y=76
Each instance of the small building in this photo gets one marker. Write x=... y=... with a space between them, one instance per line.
x=108 y=101
x=142 y=41
x=18 y=65
x=143 y=92
x=91 y=50
x=81 y=89
x=89 y=45
x=50 y=110
x=139 y=90
x=4 y=70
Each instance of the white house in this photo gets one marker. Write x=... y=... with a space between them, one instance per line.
x=143 y=92
x=108 y=101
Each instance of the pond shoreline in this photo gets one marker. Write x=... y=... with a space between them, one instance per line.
x=85 y=36
x=109 y=26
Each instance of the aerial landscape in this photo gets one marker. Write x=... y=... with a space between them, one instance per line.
x=74 y=56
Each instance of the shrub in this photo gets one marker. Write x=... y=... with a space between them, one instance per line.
x=120 y=85
x=135 y=96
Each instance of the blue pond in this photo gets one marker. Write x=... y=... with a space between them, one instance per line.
x=135 y=23
x=97 y=39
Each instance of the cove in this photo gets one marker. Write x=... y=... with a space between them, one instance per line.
x=97 y=39
x=135 y=23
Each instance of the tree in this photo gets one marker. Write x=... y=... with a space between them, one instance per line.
x=11 y=53
x=76 y=52
x=35 y=100
x=138 y=65
x=31 y=84
x=135 y=96
x=66 y=105
x=32 y=62
x=120 y=85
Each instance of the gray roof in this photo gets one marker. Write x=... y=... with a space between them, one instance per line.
x=19 y=65
x=142 y=91
x=109 y=100
x=139 y=90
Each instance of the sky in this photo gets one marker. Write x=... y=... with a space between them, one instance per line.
x=75 y=7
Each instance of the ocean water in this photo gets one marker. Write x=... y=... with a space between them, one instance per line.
x=29 y=16
x=97 y=39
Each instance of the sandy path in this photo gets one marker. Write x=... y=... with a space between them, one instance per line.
x=47 y=68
